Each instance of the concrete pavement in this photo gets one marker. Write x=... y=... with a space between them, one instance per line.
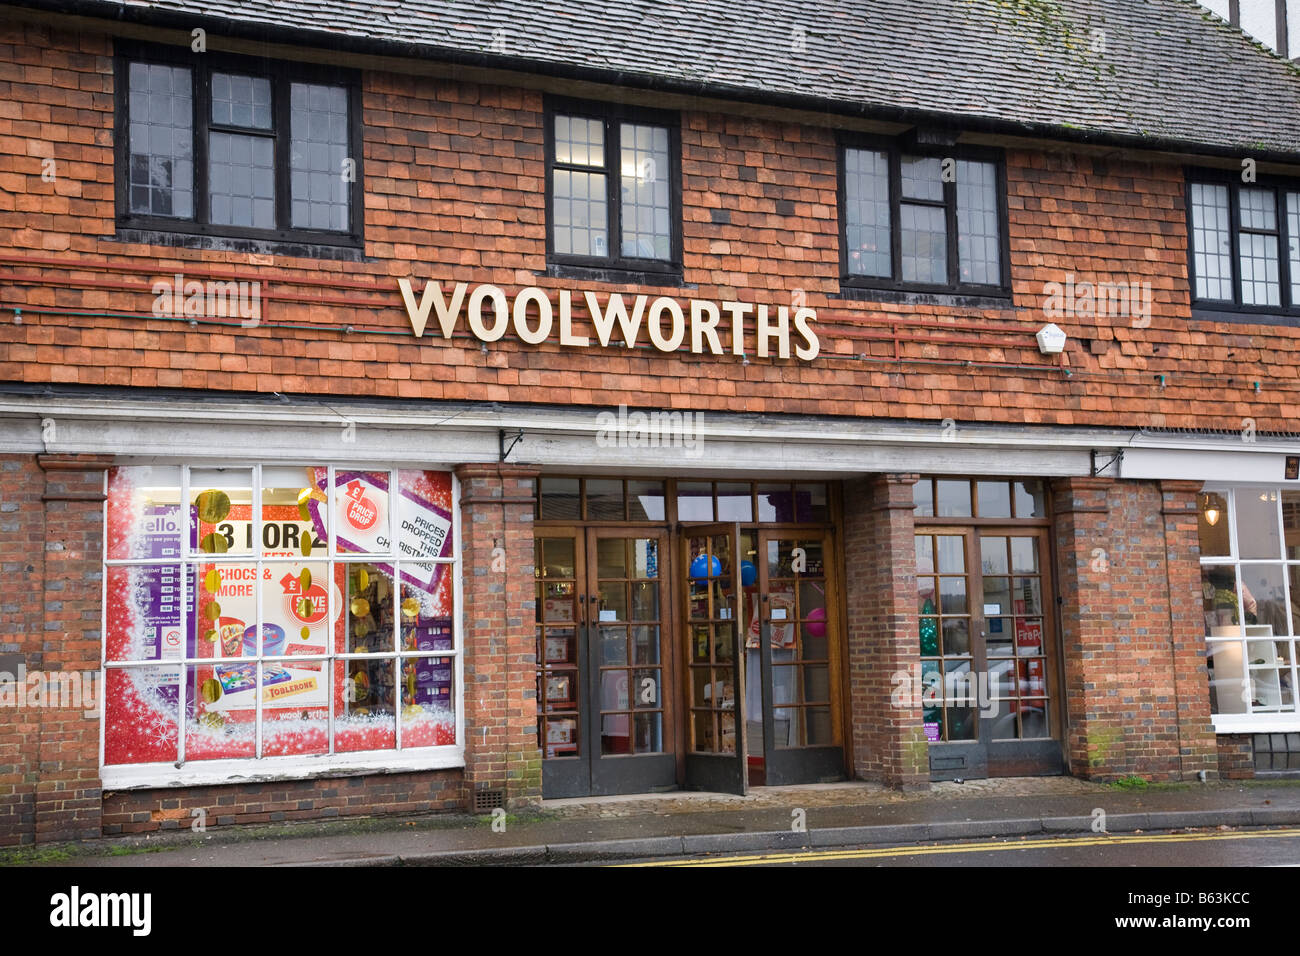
x=618 y=828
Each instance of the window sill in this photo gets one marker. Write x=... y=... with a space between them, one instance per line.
x=1256 y=723
x=613 y=276
x=273 y=247
x=908 y=297
x=1201 y=313
x=246 y=770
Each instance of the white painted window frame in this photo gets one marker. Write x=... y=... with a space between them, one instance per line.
x=257 y=768
x=1255 y=721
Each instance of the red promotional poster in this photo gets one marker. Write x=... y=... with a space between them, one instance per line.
x=1029 y=635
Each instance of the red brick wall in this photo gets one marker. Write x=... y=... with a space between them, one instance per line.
x=142 y=811
x=1136 y=687
x=1236 y=756
x=501 y=749
x=886 y=735
x=22 y=562
x=454 y=184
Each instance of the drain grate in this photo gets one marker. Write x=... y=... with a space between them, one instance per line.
x=488 y=800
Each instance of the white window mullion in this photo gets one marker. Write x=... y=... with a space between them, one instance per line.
x=331 y=637
x=255 y=529
x=186 y=623
x=394 y=499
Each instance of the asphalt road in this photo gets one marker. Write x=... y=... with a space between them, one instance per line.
x=1212 y=848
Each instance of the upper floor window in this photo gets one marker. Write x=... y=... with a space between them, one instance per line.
x=237 y=147
x=1245 y=244
x=922 y=220
x=613 y=188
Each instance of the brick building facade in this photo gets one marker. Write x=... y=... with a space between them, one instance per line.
x=882 y=482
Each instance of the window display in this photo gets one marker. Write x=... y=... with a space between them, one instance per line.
x=1250 y=596
x=280 y=612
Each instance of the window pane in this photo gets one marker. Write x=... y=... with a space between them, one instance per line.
x=1264 y=600
x=1259 y=275
x=1030 y=499
x=1258 y=253
x=646 y=192
x=994 y=499
x=559 y=498
x=241 y=185
x=241 y=100
x=578 y=211
x=1257 y=210
x=1211 y=241
x=954 y=499
x=923 y=497
x=694 y=501
x=922 y=177
x=1293 y=235
x=645 y=500
x=579 y=141
x=319 y=164
x=866 y=212
x=1257 y=525
x=161 y=167
x=925 y=244
x=1212 y=523
x=978 y=246
x=734 y=502
x=1291 y=525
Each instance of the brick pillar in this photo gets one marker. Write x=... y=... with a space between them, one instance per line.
x=1080 y=514
x=1197 y=746
x=1136 y=687
x=886 y=734
x=68 y=801
x=22 y=564
x=496 y=507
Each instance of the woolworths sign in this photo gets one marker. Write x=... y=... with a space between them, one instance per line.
x=488 y=314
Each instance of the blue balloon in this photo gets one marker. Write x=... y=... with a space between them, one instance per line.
x=700 y=567
x=748 y=573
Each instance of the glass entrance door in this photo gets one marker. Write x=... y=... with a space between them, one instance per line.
x=989 y=700
x=713 y=624
x=602 y=722
x=793 y=638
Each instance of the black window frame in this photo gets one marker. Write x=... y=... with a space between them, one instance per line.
x=281 y=75
x=895 y=149
x=612 y=115
x=1286 y=312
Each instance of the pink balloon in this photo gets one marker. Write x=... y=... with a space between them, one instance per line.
x=816 y=623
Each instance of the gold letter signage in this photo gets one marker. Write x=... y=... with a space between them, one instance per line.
x=487 y=313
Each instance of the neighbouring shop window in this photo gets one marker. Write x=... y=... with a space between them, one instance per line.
x=237 y=147
x=257 y=612
x=982 y=596
x=1250 y=594
x=961 y=498
x=613 y=187
x=921 y=219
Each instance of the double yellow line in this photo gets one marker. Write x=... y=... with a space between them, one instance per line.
x=813 y=856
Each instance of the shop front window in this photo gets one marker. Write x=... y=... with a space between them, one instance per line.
x=276 y=613
x=1250 y=596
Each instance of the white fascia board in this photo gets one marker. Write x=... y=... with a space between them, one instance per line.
x=1247 y=463
x=567 y=438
